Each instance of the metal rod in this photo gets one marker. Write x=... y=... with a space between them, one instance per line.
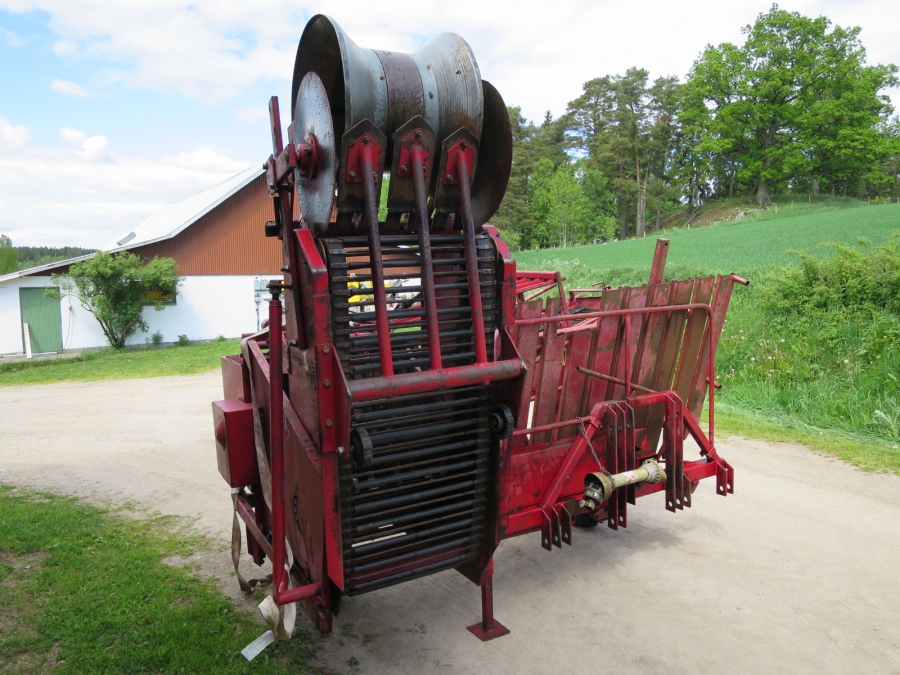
x=613 y=312
x=614 y=380
x=276 y=442
x=426 y=267
x=487 y=604
x=381 y=318
x=374 y=388
x=627 y=355
x=465 y=205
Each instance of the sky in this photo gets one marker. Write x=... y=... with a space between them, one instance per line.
x=111 y=109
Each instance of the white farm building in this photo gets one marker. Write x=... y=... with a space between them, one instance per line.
x=216 y=238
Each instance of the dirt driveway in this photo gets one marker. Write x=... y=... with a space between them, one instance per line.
x=798 y=572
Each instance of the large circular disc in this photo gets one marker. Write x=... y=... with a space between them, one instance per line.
x=312 y=118
x=494 y=157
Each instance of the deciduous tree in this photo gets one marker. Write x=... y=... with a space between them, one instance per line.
x=795 y=100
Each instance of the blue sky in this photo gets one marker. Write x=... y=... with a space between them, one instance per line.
x=110 y=109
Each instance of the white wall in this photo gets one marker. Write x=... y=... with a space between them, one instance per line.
x=205 y=308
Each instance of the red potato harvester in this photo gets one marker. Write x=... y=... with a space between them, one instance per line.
x=415 y=400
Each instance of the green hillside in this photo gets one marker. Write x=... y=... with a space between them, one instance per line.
x=752 y=242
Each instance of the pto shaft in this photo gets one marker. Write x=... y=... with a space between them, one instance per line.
x=598 y=487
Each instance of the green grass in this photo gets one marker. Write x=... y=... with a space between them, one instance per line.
x=109 y=364
x=84 y=590
x=819 y=371
x=867 y=455
x=744 y=245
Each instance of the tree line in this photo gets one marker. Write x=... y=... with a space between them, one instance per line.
x=15 y=258
x=795 y=109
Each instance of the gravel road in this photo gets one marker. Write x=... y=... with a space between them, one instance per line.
x=796 y=572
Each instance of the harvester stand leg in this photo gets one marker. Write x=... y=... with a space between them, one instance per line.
x=489 y=628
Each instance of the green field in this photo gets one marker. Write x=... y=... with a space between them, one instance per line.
x=750 y=243
x=110 y=364
x=825 y=374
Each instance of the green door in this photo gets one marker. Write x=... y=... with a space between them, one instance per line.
x=44 y=322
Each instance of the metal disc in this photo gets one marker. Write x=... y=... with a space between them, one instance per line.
x=494 y=157
x=312 y=117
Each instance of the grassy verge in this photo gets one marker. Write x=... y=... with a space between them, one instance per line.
x=869 y=455
x=109 y=364
x=83 y=590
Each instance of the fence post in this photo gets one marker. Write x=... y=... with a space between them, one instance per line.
x=27 y=341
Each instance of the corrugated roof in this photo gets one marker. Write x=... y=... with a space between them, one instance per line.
x=163 y=224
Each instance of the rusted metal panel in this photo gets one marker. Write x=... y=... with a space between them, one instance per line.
x=719 y=304
x=669 y=352
x=695 y=331
x=546 y=400
x=527 y=339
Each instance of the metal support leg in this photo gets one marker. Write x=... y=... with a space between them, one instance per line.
x=489 y=628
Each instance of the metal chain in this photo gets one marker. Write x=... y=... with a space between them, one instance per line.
x=591 y=446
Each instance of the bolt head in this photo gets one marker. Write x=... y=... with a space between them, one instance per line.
x=449 y=176
x=464 y=145
x=366 y=139
x=352 y=174
x=404 y=168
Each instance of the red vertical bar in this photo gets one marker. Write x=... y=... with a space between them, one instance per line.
x=425 y=264
x=381 y=318
x=465 y=204
x=276 y=440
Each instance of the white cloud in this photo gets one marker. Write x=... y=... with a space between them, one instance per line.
x=92 y=149
x=256 y=114
x=206 y=159
x=96 y=149
x=97 y=196
x=65 y=48
x=12 y=136
x=537 y=55
x=70 y=88
x=71 y=135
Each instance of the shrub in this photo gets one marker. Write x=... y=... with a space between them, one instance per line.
x=183 y=341
x=115 y=288
x=156 y=339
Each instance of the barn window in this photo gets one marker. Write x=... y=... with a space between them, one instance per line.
x=160 y=296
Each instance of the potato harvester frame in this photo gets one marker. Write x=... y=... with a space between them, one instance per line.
x=415 y=399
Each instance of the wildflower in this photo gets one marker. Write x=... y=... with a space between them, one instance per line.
x=769 y=357
x=782 y=339
x=753 y=358
x=846 y=360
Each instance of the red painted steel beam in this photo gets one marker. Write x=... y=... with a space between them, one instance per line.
x=249 y=518
x=375 y=388
x=474 y=275
x=371 y=214
x=276 y=442
x=426 y=266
